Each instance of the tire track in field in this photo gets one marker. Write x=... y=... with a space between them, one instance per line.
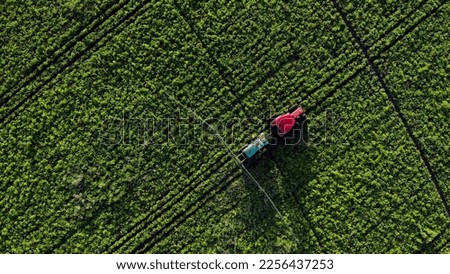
x=191 y=186
x=353 y=75
x=221 y=69
x=342 y=84
x=218 y=67
x=116 y=28
x=136 y=224
x=329 y=95
x=218 y=161
x=63 y=49
x=141 y=228
x=383 y=50
x=408 y=30
x=362 y=233
x=79 y=37
x=148 y=222
x=394 y=101
x=236 y=169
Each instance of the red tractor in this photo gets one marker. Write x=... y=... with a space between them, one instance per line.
x=281 y=126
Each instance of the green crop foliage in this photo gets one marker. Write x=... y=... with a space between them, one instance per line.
x=90 y=91
x=417 y=69
x=32 y=31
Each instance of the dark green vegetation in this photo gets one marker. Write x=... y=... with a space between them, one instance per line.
x=81 y=171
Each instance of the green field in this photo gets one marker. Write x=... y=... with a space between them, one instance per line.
x=90 y=90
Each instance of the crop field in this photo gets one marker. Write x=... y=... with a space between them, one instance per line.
x=121 y=120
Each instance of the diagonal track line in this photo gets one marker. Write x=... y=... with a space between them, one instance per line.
x=166 y=206
x=238 y=163
x=394 y=102
x=163 y=232
x=407 y=31
x=294 y=57
x=224 y=74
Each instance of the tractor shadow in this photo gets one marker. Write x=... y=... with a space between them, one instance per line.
x=284 y=173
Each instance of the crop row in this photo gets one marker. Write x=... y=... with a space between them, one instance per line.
x=242 y=221
x=212 y=24
x=439 y=244
x=83 y=124
x=254 y=48
x=251 y=103
x=368 y=178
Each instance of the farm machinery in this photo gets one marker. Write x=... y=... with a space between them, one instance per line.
x=282 y=127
